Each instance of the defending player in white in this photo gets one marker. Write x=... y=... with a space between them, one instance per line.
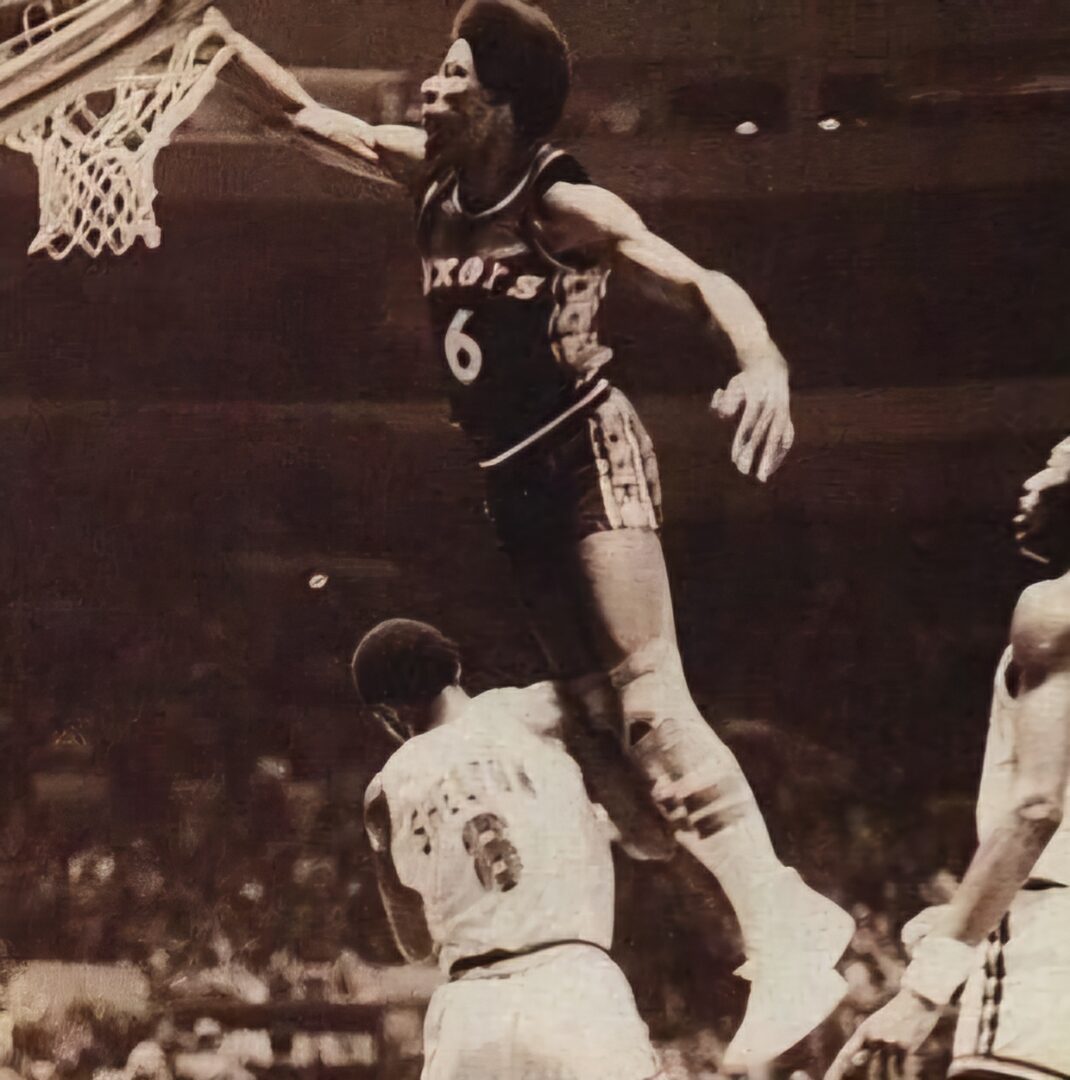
x=1006 y=932
x=491 y=858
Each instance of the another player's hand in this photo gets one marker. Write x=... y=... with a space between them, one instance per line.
x=921 y=926
x=759 y=396
x=878 y=1049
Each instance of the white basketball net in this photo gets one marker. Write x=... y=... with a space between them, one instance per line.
x=95 y=154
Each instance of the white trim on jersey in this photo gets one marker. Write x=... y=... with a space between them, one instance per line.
x=433 y=189
x=1002 y=691
x=575 y=407
x=542 y=158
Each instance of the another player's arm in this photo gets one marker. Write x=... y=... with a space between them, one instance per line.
x=1040 y=641
x=586 y=216
x=364 y=983
x=404 y=906
x=393 y=152
x=944 y=957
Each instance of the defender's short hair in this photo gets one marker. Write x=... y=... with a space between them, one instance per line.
x=404 y=662
x=521 y=56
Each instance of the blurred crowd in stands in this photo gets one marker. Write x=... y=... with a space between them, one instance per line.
x=262 y=892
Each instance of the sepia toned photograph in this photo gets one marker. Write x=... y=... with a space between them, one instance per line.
x=534 y=540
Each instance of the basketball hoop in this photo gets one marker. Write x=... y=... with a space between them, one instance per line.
x=94 y=137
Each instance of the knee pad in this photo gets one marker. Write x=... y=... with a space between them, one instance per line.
x=650 y=687
x=611 y=775
x=697 y=783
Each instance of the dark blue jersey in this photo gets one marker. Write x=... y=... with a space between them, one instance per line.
x=515 y=327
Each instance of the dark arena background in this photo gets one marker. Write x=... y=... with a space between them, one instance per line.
x=220 y=461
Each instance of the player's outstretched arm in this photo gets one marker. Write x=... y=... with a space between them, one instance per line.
x=404 y=906
x=586 y=216
x=391 y=152
x=1040 y=643
x=944 y=957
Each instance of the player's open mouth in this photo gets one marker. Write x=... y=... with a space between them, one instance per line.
x=433 y=145
x=437 y=128
x=1025 y=532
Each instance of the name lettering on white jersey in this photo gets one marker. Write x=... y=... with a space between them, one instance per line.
x=493 y=828
x=470 y=790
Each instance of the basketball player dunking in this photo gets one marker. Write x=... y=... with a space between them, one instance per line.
x=492 y=859
x=1006 y=932
x=517 y=245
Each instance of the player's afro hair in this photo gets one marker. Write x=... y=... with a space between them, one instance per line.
x=404 y=662
x=521 y=57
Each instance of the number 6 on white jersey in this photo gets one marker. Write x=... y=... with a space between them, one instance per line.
x=463 y=353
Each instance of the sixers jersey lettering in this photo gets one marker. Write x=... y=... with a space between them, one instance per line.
x=516 y=329
x=492 y=826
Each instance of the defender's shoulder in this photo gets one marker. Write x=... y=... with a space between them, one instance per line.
x=1040 y=629
x=537 y=707
x=414 y=755
x=408 y=759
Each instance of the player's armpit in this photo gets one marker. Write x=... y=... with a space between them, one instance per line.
x=404 y=906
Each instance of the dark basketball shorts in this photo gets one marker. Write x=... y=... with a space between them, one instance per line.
x=595 y=473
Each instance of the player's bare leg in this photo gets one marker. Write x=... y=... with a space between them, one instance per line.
x=557 y=618
x=622 y=616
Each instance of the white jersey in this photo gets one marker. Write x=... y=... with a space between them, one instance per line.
x=999 y=774
x=492 y=826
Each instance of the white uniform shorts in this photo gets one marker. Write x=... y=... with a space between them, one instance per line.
x=1014 y=1017
x=563 y=1013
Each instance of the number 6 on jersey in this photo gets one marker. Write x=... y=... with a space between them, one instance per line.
x=463 y=353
